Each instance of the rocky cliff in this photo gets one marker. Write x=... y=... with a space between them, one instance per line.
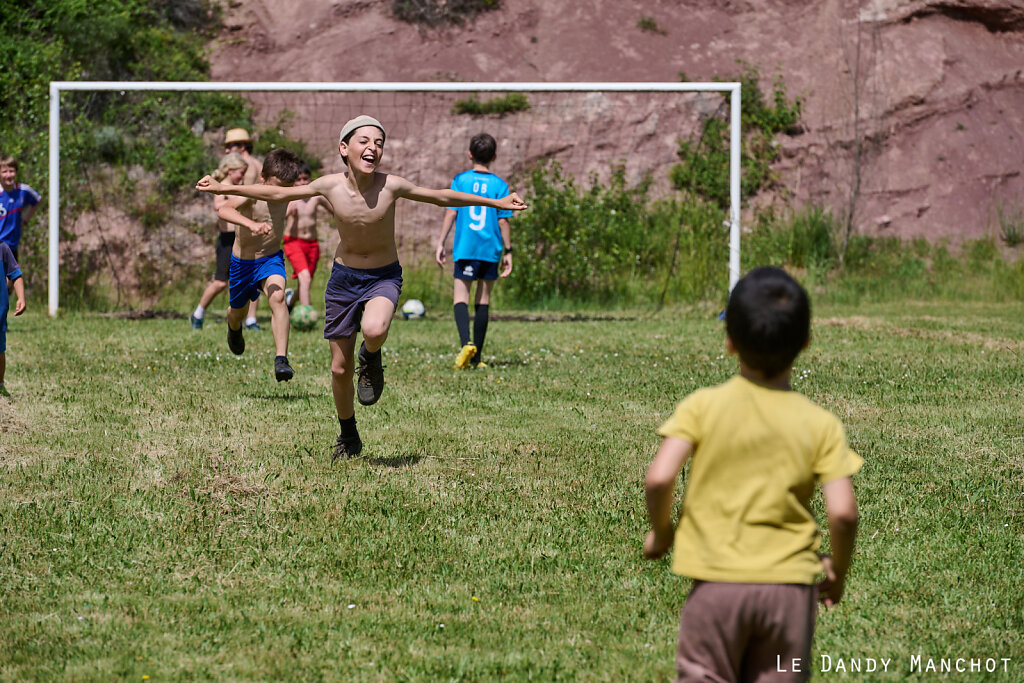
x=914 y=109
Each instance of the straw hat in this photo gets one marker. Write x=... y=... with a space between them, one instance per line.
x=236 y=135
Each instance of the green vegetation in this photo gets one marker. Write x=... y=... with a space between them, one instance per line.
x=506 y=104
x=610 y=245
x=431 y=13
x=1011 y=224
x=650 y=25
x=167 y=510
x=110 y=140
x=703 y=170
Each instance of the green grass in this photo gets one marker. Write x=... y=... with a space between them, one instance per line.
x=168 y=510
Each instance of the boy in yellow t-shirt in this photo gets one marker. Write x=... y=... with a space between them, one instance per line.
x=746 y=534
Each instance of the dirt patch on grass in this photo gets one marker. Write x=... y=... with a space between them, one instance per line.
x=957 y=337
x=10 y=421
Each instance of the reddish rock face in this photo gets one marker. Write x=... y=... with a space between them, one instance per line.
x=914 y=109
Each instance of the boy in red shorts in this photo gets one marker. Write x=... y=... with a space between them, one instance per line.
x=301 y=245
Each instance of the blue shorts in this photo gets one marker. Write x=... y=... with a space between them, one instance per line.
x=349 y=289
x=473 y=269
x=246 y=276
x=5 y=304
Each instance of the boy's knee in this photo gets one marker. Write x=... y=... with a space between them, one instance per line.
x=341 y=370
x=375 y=331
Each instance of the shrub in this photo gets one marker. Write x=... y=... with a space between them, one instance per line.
x=802 y=239
x=704 y=165
x=650 y=25
x=1011 y=225
x=439 y=12
x=608 y=243
x=506 y=104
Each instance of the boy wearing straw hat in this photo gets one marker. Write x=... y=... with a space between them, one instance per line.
x=239 y=141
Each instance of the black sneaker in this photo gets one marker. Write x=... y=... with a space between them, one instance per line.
x=197 y=323
x=347 y=447
x=282 y=371
x=369 y=377
x=236 y=342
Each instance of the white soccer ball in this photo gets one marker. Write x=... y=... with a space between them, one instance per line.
x=413 y=309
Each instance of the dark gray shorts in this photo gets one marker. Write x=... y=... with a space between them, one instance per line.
x=348 y=290
x=225 y=241
x=742 y=631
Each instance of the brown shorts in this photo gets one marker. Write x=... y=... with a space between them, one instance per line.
x=746 y=632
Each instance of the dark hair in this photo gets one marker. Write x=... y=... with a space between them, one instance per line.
x=304 y=168
x=246 y=145
x=282 y=164
x=483 y=148
x=768 y=320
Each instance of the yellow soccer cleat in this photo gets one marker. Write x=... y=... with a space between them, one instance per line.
x=465 y=356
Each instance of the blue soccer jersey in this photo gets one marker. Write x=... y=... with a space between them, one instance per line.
x=11 y=205
x=477 y=235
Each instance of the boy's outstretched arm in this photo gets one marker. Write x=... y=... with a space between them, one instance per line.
x=841 y=510
x=447 y=197
x=267 y=193
x=659 y=485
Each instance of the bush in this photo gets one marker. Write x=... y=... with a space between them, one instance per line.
x=507 y=104
x=802 y=239
x=1011 y=225
x=610 y=244
x=704 y=165
x=439 y=12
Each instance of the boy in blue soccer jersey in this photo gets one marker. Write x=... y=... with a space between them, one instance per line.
x=481 y=248
x=18 y=202
x=9 y=266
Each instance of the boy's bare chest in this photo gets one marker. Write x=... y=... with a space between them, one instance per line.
x=364 y=213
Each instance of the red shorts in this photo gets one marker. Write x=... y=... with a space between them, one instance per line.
x=302 y=254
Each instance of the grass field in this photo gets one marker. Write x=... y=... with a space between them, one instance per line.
x=169 y=511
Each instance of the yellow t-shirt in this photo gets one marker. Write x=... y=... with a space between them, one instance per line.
x=758 y=453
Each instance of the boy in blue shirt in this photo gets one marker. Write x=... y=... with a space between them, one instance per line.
x=18 y=202
x=13 y=274
x=482 y=234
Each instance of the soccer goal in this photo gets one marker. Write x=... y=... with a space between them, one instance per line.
x=586 y=127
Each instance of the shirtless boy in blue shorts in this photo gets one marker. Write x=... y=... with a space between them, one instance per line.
x=257 y=260
x=366 y=277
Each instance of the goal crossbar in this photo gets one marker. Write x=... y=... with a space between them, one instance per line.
x=56 y=87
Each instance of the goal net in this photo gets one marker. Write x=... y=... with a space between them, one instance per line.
x=587 y=128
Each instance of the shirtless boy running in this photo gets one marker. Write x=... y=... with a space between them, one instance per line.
x=366 y=277
x=257 y=260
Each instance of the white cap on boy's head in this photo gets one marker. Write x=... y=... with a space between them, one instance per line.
x=359 y=122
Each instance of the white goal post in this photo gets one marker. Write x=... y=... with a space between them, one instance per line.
x=56 y=87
